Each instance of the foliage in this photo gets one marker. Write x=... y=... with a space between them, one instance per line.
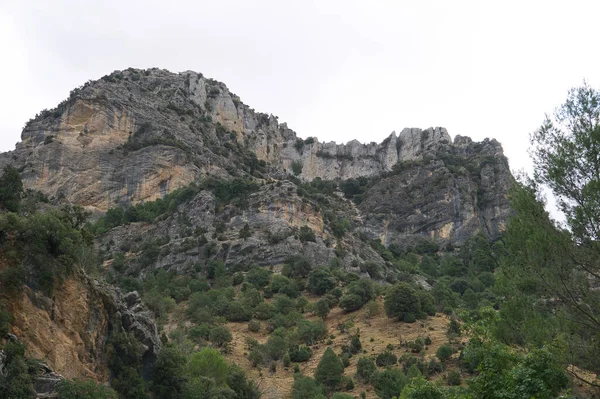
x=296 y=167
x=15 y=381
x=401 y=301
x=329 y=371
x=169 y=379
x=208 y=363
x=386 y=359
x=86 y=389
x=444 y=353
x=322 y=308
x=306 y=388
x=365 y=367
x=125 y=363
x=11 y=189
x=306 y=234
x=320 y=280
x=389 y=383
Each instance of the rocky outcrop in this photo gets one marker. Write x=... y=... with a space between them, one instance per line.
x=460 y=191
x=70 y=331
x=136 y=135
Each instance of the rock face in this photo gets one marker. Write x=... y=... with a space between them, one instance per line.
x=136 y=135
x=70 y=331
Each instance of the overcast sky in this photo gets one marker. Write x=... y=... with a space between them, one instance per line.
x=338 y=70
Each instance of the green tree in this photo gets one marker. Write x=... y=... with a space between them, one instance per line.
x=11 y=189
x=320 y=280
x=125 y=363
x=329 y=371
x=444 y=352
x=549 y=271
x=306 y=388
x=402 y=300
x=208 y=363
x=322 y=308
x=15 y=382
x=169 y=379
x=389 y=383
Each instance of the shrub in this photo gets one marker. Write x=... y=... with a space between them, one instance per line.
x=306 y=388
x=300 y=354
x=365 y=368
x=306 y=234
x=351 y=302
x=208 y=363
x=454 y=378
x=444 y=353
x=254 y=326
x=297 y=167
x=322 y=308
x=386 y=359
x=168 y=379
x=355 y=345
x=287 y=360
x=88 y=389
x=220 y=335
x=389 y=383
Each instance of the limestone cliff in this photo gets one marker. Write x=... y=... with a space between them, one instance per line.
x=136 y=135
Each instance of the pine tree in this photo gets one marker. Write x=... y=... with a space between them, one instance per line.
x=329 y=371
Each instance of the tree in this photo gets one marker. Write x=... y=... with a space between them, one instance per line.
x=402 y=300
x=208 y=363
x=444 y=352
x=125 y=363
x=322 y=308
x=365 y=367
x=566 y=155
x=550 y=270
x=389 y=383
x=306 y=388
x=320 y=280
x=329 y=371
x=220 y=335
x=168 y=379
x=11 y=189
x=15 y=381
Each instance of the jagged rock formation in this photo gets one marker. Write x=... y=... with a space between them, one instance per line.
x=136 y=135
x=70 y=331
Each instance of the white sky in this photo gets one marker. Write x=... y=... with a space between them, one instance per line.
x=338 y=70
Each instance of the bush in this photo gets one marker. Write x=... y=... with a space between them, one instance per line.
x=306 y=388
x=300 y=354
x=351 y=302
x=355 y=345
x=386 y=359
x=220 y=335
x=306 y=234
x=454 y=378
x=389 y=383
x=254 y=326
x=365 y=369
x=296 y=167
x=86 y=389
x=444 y=353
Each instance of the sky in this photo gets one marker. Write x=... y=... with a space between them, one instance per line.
x=337 y=70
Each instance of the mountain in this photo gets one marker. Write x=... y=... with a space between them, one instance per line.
x=178 y=174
